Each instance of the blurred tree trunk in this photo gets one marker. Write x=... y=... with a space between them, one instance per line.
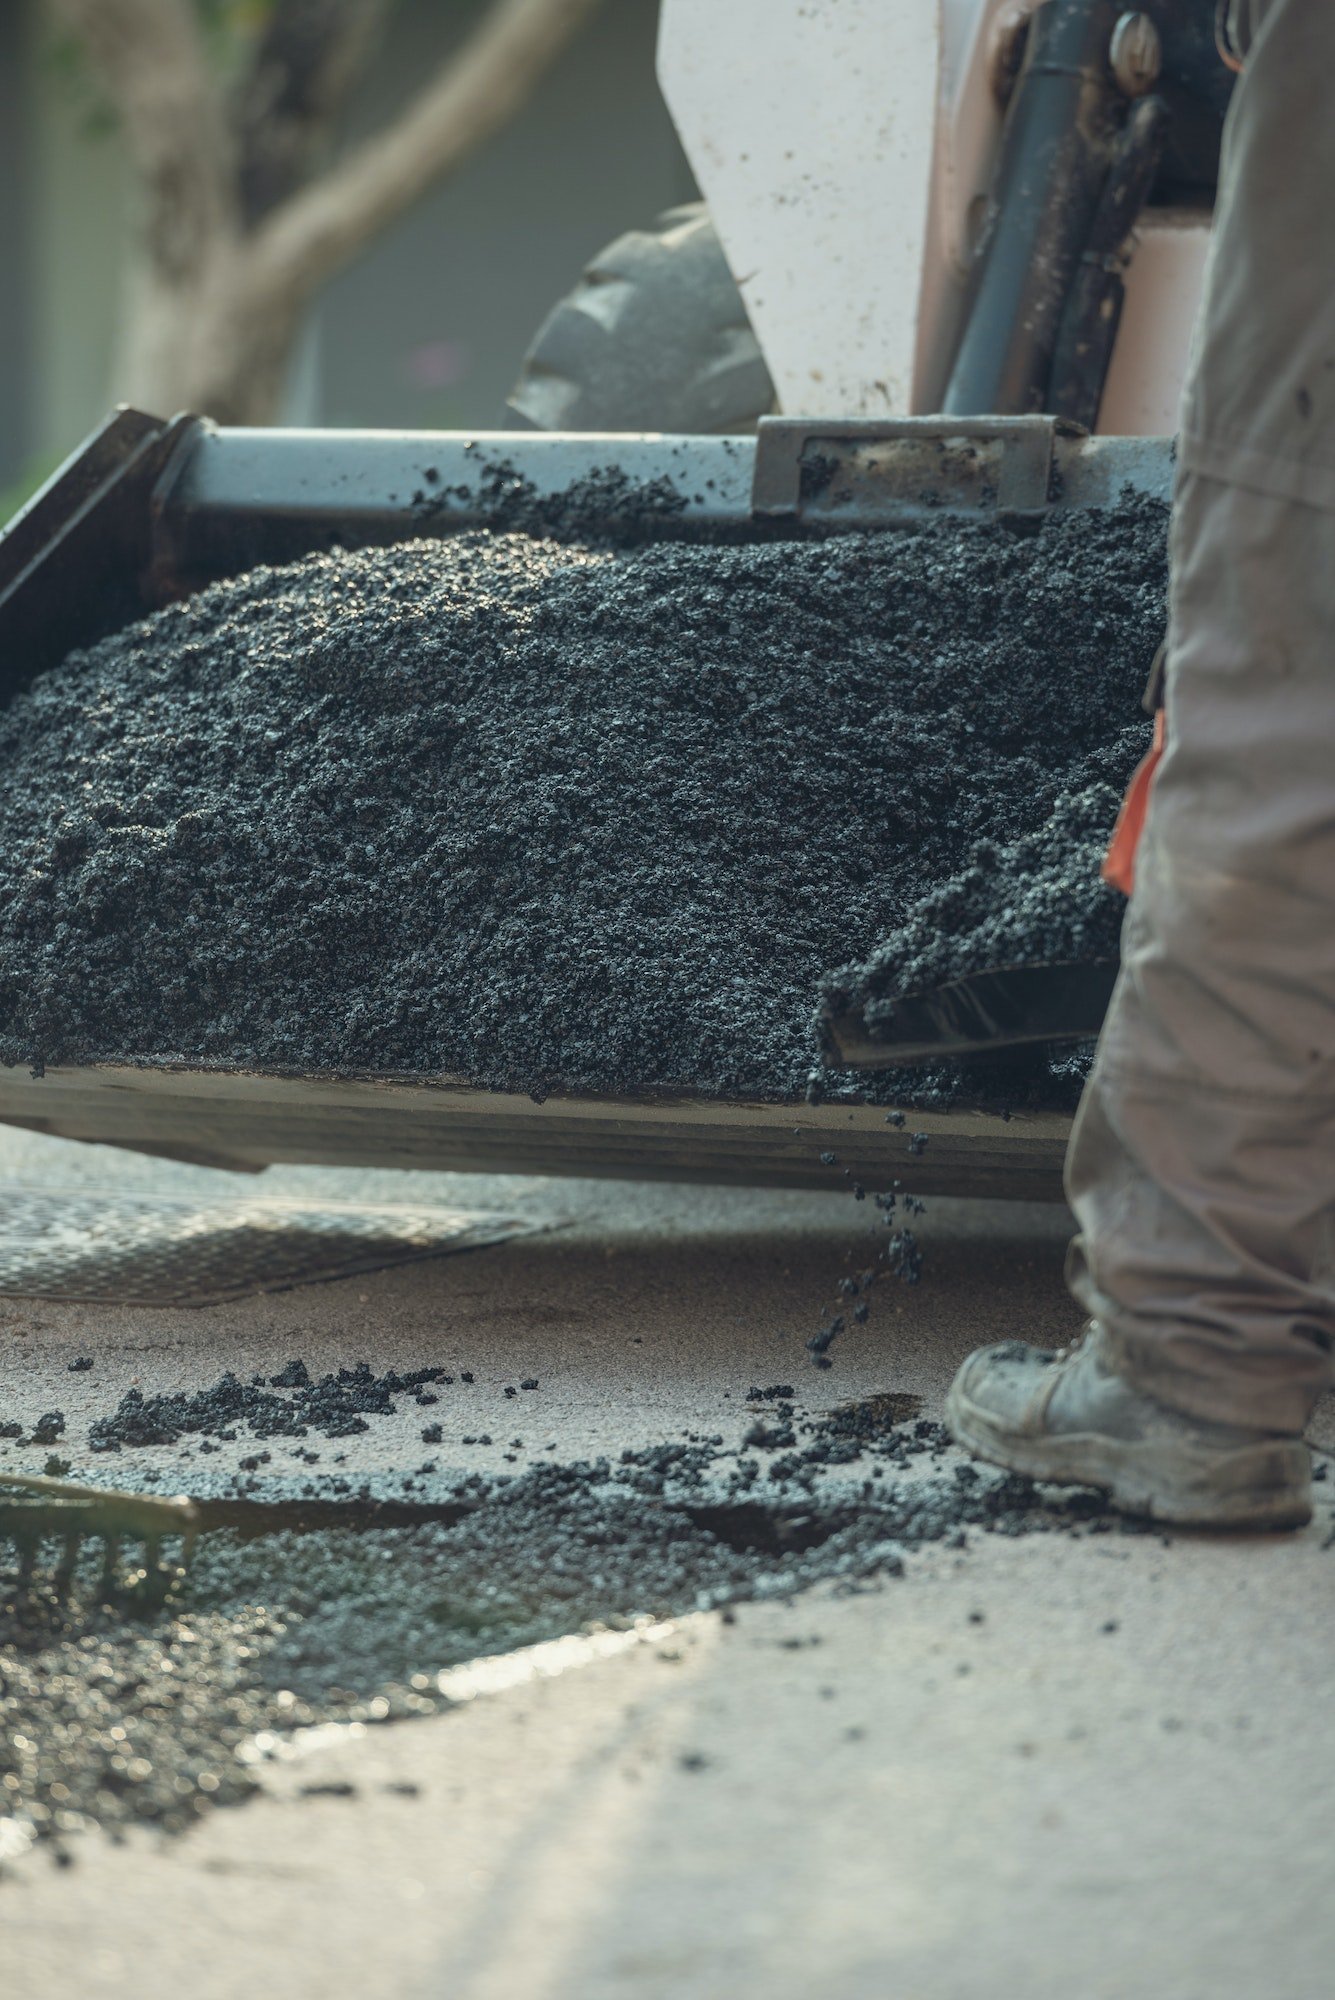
x=243 y=217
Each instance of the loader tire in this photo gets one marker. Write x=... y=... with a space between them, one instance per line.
x=654 y=337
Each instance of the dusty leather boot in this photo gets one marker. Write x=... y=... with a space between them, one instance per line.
x=1069 y=1417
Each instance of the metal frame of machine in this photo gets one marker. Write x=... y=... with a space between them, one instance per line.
x=855 y=154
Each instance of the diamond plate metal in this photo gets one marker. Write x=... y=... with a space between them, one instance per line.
x=116 y=1248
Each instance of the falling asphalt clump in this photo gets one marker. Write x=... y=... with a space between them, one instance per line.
x=547 y=816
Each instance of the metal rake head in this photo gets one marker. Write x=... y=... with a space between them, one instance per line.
x=36 y=1512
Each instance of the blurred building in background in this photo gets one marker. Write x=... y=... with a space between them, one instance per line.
x=428 y=328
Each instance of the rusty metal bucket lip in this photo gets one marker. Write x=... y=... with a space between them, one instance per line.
x=247 y=1118
x=447 y=1081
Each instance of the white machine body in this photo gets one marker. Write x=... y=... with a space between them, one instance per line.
x=844 y=148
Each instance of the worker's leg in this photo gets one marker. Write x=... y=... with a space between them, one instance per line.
x=1202 y=1169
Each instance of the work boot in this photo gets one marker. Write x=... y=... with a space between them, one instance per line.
x=1071 y=1418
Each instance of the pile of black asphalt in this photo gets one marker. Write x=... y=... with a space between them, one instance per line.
x=547 y=816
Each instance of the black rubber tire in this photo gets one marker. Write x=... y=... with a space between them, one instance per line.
x=654 y=337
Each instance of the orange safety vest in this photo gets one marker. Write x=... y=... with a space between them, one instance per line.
x=1119 y=863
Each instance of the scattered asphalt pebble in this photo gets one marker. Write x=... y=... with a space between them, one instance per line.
x=80 y=1364
x=546 y=815
x=775 y=1435
x=138 y=1710
x=296 y=1375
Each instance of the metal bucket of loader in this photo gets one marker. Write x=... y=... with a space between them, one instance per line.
x=149 y=511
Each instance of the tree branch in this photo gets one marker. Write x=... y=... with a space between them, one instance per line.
x=317 y=231
x=150 y=57
x=310 y=55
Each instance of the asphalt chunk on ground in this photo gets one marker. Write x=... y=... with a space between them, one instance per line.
x=542 y=815
x=334 y=1406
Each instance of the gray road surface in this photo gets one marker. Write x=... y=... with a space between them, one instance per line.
x=1045 y=1767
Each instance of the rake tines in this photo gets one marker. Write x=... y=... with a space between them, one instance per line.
x=35 y=1511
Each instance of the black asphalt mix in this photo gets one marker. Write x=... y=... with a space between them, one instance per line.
x=542 y=815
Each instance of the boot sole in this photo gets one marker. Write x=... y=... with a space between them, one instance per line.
x=1264 y=1485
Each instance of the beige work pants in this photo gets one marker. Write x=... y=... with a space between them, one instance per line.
x=1202 y=1166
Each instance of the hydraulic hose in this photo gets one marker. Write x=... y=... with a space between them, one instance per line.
x=1058 y=142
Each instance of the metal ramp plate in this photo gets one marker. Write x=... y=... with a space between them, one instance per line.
x=125 y=1248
